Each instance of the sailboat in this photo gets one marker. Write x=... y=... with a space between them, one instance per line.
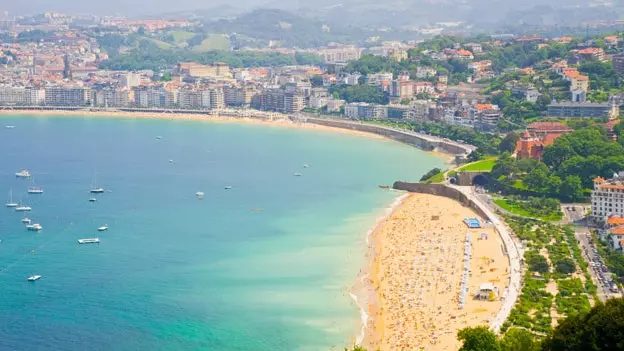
x=10 y=202
x=34 y=189
x=94 y=188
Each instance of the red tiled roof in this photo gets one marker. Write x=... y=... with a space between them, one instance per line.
x=482 y=107
x=615 y=220
x=619 y=230
x=611 y=124
x=590 y=51
x=548 y=126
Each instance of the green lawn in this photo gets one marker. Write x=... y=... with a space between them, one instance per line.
x=180 y=36
x=502 y=203
x=161 y=44
x=438 y=178
x=213 y=42
x=483 y=165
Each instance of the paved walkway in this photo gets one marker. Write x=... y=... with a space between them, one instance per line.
x=513 y=254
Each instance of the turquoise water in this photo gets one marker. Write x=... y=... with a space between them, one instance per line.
x=174 y=272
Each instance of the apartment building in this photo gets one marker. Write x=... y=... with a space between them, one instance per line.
x=67 y=96
x=194 y=99
x=10 y=95
x=618 y=63
x=607 y=198
x=584 y=109
x=217 y=98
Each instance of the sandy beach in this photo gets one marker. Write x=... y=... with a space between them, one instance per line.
x=416 y=273
x=188 y=117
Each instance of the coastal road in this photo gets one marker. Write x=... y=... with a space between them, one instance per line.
x=575 y=214
x=582 y=235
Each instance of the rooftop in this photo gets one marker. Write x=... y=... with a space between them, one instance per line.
x=548 y=126
x=579 y=104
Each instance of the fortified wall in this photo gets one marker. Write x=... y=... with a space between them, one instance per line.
x=440 y=190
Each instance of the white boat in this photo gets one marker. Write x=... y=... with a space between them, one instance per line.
x=199 y=195
x=23 y=174
x=92 y=199
x=297 y=174
x=34 y=189
x=94 y=188
x=89 y=241
x=159 y=137
x=305 y=165
x=33 y=278
x=10 y=202
x=34 y=227
x=103 y=228
x=170 y=161
x=9 y=127
x=228 y=187
x=23 y=209
x=26 y=220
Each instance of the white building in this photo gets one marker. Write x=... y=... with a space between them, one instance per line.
x=424 y=72
x=334 y=105
x=217 y=98
x=377 y=78
x=352 y=79
x=67 y=96
x=130 y=80
x=317 y=102
x=10 y=95
x=351 y=110
x=607 y=198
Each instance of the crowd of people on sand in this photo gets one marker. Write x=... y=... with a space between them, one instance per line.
x=422 y=276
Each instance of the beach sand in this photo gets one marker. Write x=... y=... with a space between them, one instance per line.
x=416 y=272
x=189 y=117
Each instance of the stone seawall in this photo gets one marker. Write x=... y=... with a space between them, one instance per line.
x=465 y=196
x=422 y=141
x=440 y=190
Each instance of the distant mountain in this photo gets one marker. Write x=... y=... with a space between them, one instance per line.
x=288 y=28
x=396 y=13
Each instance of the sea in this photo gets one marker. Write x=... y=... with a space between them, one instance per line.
x=266 y=265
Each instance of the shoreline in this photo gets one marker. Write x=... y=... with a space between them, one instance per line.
x=363 y=292
x=283 y=122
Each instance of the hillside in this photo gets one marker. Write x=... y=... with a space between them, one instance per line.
x=288 y=28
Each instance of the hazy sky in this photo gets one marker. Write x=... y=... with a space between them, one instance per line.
x=125 y=7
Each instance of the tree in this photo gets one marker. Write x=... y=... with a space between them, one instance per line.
x=316 y=81
x=538 y=263
x=537 y=180
x=430 y=174
x=554 y=184
x=505 y=166
x=166 y=77
x=571 y=188
x=508 y=144
x=478 y=339
x=565 y=266
x=602 y=329
x=518 y=340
